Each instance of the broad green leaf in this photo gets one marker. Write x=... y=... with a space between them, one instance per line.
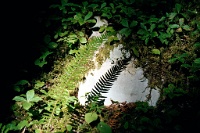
x=104 y=128
x=143 y=26
x=133 y=23
x=154 y=34
x=172 y=15
x=90 y=117
x=174 y=26
x=69 y=127
x=91 y=21
x=38 y=131
x=178 y=7
x=89 y=15
x=125 y=31
x=38 y=84
x=22 y=82
x=17 y=88
x=85 y=3
x=153 y=26
x=182 y=60
x=186 y=27
x=181 y=21
x=80 y=33
x=162 y=19
x=83 y=40
x=22 y=124
x=103 y=5
x=62 y=34
x=52 y=45
x=72 y=36
x=146 y=40
x=197 y=61
x=185 y=65
x=93 y=5
x=155 y=51
x=36 y=99
x=126 y=125
x=26 y=105
x=153 y=20
x=142 y=32
x=30 y=94
x=19 y=99
x=172 y=60
x=110 y=28
x=124 y=22
x=197 y=45
x=40 y=63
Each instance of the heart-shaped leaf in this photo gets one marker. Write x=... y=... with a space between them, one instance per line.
x=29 y=95
x=104 y=128
x=90 y=117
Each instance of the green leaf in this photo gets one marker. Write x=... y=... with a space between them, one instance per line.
x=181 y=21
x=26 y=105
x=174 y=26
x=38 y=84
x=40 y=63
x=104 y=128
x=197 y=61
x=135 y=51
x=153 y=26
x=89 y=15
x=124 y=22
x=38 y=131
x=36 y=99
x=185 y=65
x=126 y=125
x=197 y=45
x=133 y=24
x=69 y=127
x=22 y=124
x=186 y=27
x=155 y=51
x=153 y=20
x=154 y=34
x=52 y=45
x=22 y=82
x=90 y=117
x=162 y=19
x=142 y=32
x=103 y=5
x=143 y=26
x=172 y=15
x=30 y=94
x=80 y=33
x=172 y=60
x=178 y=8
x=19 y=99
x=83 y=40
x=125 y=31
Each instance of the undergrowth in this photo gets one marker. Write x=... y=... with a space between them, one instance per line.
x=165 y=43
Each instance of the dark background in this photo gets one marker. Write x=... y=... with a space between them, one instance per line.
x=21 y=38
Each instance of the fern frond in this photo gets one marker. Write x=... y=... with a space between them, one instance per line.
x=105 y=82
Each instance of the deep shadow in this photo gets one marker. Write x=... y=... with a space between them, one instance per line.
x=21 y=39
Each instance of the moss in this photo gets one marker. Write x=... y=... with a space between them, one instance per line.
x=104 y=53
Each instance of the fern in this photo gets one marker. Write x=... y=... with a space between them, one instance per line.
x=105 y=83
x=57 y=99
